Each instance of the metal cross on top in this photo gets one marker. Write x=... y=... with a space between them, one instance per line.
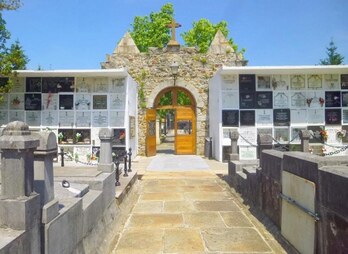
x=173 y=25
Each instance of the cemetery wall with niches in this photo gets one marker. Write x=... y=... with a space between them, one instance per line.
x=281 y=106
x=74 y=108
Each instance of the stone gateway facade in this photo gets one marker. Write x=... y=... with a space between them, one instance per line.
x=152 y=71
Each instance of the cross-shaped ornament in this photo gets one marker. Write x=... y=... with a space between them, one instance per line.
x=173 y=25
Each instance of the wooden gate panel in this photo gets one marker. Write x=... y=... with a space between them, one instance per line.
x=185 y=131
x=150 y=132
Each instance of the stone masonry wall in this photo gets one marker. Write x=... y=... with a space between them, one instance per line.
x=152 y=69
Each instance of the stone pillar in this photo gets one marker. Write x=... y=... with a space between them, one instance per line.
x=43 y=166
x=105 y=158
x=17 y=160
x=304 y=136
x=264 y=141
x=234 y=135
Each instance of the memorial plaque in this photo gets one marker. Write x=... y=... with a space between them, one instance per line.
x=281 y=135
x=315 y=99
x=65 y=84
x=281 y=117
x=100 y=119
x=118 y=86
x=264 y=82
x=247 y=153
x=345 y=116
x=117 y=101
x=281 y=100
x=264 y=100
x=84 y=85
x=226 y=140
x=66 y=119
x=101 y=85
x=84 y=153
x=83 y=102
x=49 y=85
x=95 y=136
x=344 y=81
x=230 y=100
x=264 y=131
x=297 y=82
x=247 y=136
x=280 y=82
x=83 y=119
x=247 y=100
x=315 y=116
x=118 y=151
x=119 y=137
x=298 y=100
x=100 y=101
x=49 y=101
x=315 y=134
x=230 y=118
x=229 y=82
x=264 y=116
x=344 y=99
x=332 y=99
x=298 y=116
x=33 y=118
x=33 y=85
x=16 y=116
x=50 y=118
x=295 y=134
x=18 y=85
x=331 y=81
x=333 y=116
x=117 y=118
x=4 y=102
x=247 y=83
x=315 y=82
x=66 y=101
x=345 y=128
x=3 y=117
x=16 y=101
x=32 y=101
x=247 y=117
x=332 y=135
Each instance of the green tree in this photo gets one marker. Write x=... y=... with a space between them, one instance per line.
x=203 y=32
x=333 y=58
x=9 y=4
x=152 y=30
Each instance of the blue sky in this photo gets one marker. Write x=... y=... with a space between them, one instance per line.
x=77 y=34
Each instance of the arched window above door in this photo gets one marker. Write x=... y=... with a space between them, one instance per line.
x=174 y=96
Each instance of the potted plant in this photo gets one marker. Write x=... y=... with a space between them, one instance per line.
x=324 y=135
x=60 y=137
x=341 y=134
x=78 y=136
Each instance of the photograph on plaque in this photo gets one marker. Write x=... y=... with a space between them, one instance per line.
x=49 y=101
x=229 y=82
x=247 y=153
x=132 y=126
x=119 y=137
x=33 y=118
x=298 y=100
x=66 y=101
x=332 y=99
x=333 y=116
x=83 y=101
x=344 y=81
x=32 y=101
x=344 y=99
x=117 y=85
x=315 y=99
x=16 y=101
x=315 y=116
x=297 y=82
x=264 y=116
x=247 y=136
x=247 y=83
x=230 y=118
x=315 y=81
x=247 y=100
x=247 y=117
x=3 y=117
x=65 y=84
x=315 y=134
x=83 y=85
x=280 y=99
x=49 y=85
x=66 y=118
x=50 y=118
x=117 y=101
x=298 y=116
x=33 y=85
x=101 y=85
x=281 y=117
x=100 y=119
x=264 y=82
x=295 y=134
x=4 y=101
x=264 y=100
x=117 y=118
x=331 y=81
x=230 y=99
x=280 y=82
x=16 y=116
x=345 y=116
x=83 y=118
x=281 y=135
x=18 y=84
x=100 y=101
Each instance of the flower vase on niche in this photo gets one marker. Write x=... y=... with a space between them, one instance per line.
x=77 y=137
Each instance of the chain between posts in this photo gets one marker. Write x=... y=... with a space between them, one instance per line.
x=340 y=150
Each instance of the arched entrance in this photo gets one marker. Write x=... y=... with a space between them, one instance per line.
x=175 y=110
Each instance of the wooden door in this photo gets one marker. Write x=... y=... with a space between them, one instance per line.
x=150 y=132
x=185 y=131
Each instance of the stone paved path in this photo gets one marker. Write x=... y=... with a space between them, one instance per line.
x=190 y=212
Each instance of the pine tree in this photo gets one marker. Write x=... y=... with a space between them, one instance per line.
x=333 y=58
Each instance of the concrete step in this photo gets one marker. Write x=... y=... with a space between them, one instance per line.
x=76 y=190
